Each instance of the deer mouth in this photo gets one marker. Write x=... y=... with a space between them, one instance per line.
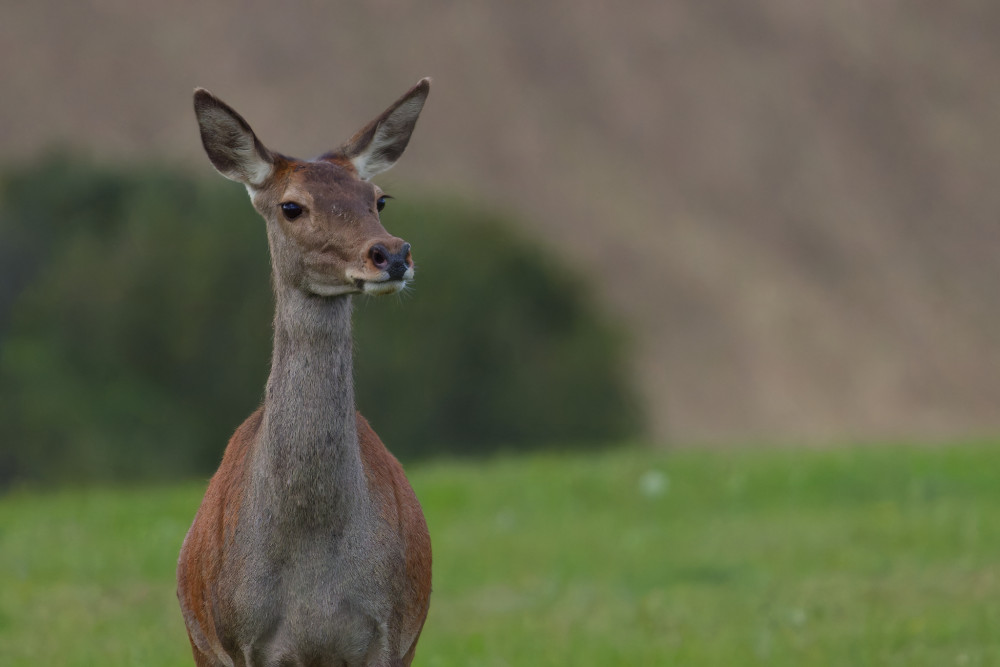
x=380 y=287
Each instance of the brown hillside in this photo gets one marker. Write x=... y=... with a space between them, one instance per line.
x=795 y=205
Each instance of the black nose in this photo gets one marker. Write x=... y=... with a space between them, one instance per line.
x=393 y=263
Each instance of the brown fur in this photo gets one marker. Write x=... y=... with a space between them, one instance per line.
x=202 y=552
x=400 y=507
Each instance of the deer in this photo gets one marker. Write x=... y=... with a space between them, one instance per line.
x=310 y=547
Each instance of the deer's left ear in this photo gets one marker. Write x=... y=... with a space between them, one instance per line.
x=378 y=145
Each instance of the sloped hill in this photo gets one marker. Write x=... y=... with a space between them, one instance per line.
x=794 y=206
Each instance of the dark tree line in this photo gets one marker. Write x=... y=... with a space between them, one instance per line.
x=135 y=333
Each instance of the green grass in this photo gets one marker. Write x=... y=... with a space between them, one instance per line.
x=878 y=556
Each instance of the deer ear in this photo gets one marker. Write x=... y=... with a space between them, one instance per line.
x=378 y=145
x=231 y=145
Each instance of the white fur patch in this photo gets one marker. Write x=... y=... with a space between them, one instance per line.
x=383 y=287
x=332 y=290
x=259 y=172
x=373 y=287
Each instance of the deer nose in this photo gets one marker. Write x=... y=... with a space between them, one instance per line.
x=394 y=263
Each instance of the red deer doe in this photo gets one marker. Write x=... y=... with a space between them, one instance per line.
x=310 y=547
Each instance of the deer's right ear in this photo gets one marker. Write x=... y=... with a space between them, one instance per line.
x=378 y=145
x=230 y=143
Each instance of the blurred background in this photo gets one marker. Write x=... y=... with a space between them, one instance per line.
x=715 y=222
x=695 y=280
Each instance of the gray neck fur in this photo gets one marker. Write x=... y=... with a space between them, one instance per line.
x=308 y=461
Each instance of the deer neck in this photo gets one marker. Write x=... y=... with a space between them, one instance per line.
x=309 y=462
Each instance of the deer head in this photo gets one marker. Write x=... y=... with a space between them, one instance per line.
x=322 y=215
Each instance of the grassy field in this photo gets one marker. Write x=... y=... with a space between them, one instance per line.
x=876 y=556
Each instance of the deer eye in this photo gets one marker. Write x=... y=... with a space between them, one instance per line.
x=291 y=210
x=380 y=204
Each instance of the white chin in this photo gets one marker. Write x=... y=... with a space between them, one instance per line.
x=332 y=290
x=382 y=287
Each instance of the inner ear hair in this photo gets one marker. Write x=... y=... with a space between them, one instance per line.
x=230 y=142
x=378 y=145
